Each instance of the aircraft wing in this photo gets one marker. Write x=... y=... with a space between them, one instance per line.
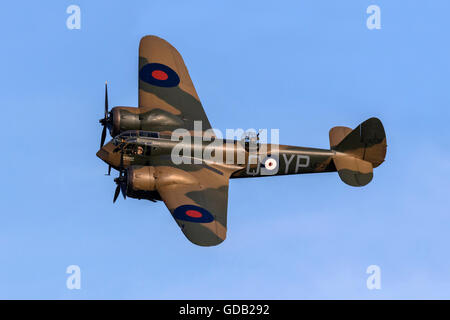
x=165 y=87
x=197 y=197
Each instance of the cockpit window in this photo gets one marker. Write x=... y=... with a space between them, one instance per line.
x=128 y=134
x=149 y=134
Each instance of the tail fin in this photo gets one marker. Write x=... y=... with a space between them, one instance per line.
x=337 y=134
x=358 y=151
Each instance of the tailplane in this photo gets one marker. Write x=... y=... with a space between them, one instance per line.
x=358 y=151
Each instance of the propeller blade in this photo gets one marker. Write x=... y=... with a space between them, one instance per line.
x=123 y=188
x=116 y=193
x=104 y=122
x=106 y=99
x=109 y=170
x=102 y=141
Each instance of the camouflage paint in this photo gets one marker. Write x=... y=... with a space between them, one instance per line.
x=197 y=193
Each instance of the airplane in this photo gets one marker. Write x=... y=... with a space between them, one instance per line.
x=196 y=190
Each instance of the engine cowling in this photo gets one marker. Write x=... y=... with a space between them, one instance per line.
x=123 y=119
x=141 y=178
x=129 y=118
x=141 y=183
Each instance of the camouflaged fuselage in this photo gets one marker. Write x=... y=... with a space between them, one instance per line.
x=290 y=159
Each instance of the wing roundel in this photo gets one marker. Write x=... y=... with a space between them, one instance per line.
x=165 y=86
x=197 y=199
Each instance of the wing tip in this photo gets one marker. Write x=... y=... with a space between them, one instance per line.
x=203 y=234
x=209 y=243
x=155 y=39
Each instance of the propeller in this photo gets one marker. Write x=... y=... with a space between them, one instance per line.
x=121 y=180
x=106 y=120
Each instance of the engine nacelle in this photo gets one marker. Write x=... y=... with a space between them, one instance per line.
x=141 y=178
x=129 y=118
x=123 y=119
x=141 y=183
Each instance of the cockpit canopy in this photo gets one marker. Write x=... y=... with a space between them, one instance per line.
x=132 y=136
x=138 y=134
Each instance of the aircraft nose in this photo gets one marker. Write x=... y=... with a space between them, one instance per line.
x=107 y=154
x=103 y=154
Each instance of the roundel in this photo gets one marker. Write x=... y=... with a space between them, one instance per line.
x=193 y=214
x=160 y=75
x=270 y=163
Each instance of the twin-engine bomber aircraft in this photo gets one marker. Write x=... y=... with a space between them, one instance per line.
x=196 y=192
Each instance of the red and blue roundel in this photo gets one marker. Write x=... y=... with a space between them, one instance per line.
x=160 y=75
x=193 y=213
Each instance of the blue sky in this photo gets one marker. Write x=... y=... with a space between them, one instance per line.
x=300 y=66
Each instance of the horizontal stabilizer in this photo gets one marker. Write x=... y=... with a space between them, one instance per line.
x=353 y=171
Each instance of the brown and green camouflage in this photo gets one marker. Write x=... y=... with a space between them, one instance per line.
x=196 y=190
